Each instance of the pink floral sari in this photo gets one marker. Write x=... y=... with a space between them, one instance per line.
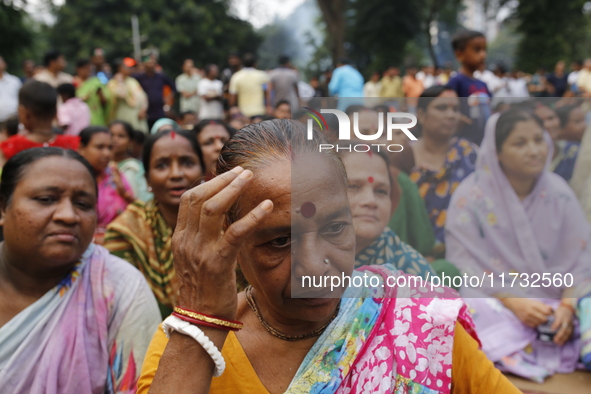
x=396 y=344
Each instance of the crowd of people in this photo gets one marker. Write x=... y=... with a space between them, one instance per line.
x=129 y=198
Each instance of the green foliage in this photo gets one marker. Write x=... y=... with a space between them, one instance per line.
x=16 y=34
x=380 y=33
x=552 y=31
x=321 y=58
x=199 y=29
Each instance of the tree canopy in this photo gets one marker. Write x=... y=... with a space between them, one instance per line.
x=202 y=30
x=375 y=33
x=17 y=34
x=552 y=31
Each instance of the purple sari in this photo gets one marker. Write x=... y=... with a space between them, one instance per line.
x=489 y=230
x=89 y=334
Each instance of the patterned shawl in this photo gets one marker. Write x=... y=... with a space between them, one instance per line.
x=389 y=249
x=141 y=236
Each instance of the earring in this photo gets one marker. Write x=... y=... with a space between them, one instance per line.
x=326 y=261
x=150 y=189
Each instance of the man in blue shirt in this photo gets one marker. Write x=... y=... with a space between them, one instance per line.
x=346 y=82
x=153 y=84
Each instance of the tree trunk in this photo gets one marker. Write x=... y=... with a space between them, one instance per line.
x=333 y=13
x=430 y=46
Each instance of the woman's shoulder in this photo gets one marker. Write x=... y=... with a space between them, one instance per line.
x=465 y=147
x=131 y=164
x=63 y=137
x=468 y=187
x=16 y=141
x=558 y=187
x=118 y=275
x=133 y=219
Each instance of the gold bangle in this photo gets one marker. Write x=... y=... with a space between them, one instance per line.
x=208 y=319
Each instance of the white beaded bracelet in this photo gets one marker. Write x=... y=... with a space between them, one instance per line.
x=186 y=328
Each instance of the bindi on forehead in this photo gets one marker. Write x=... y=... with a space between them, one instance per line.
x=370 y=179
x=308 y=209
x=172 y=135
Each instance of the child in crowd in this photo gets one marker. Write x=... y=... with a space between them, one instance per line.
x=188 y=120
x=9 y=128
x=470 y=50
x=37 y=107
x=73 y=115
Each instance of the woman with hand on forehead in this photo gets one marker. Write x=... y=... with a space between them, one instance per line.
x=285 y=215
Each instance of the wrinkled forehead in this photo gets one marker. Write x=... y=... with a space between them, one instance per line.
x=318 y=187
x=307 y=186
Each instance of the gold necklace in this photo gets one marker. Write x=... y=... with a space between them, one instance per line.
x=316 y=333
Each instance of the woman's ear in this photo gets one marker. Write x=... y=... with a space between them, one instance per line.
x=2 y=213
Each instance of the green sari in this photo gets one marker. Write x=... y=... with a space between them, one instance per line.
x=87 y=92
x=410 y=222
x=141 y=236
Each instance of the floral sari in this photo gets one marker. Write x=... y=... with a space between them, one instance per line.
x=437 y=187
x=399 y=341
x=397 y=344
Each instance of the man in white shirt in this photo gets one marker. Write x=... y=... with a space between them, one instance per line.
x=210 y=90
x=575 y=67
x=249 y=89
x=9 y=87
x=186 y=84
x=584 y=79
x=53 y=74
x=488 y=77
x=427 y=76
x=517 y=85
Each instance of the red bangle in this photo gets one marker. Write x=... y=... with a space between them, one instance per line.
x=569 y=307
x=202 y=323
x=230 y=324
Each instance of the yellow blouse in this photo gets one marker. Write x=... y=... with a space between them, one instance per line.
x=472 y=372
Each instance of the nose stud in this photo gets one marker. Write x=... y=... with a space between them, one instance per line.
x=326 y=261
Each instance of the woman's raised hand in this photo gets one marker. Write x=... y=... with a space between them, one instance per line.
x=204 y=254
